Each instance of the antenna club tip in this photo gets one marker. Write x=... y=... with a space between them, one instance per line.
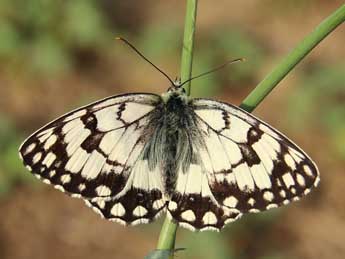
x=243 y=59
x=118 y=38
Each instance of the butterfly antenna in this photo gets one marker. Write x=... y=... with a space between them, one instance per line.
x=214 y=69
x=141 y=55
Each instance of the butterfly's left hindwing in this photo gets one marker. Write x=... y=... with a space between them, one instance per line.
x=243 y=165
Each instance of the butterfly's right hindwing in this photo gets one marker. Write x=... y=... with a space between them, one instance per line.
x=242 y=165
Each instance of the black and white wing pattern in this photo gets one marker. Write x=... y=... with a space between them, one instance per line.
x=242 y=166
x=95 y=153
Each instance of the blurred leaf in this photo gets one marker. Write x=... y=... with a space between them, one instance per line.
x=83 y=23
x=160 y=39
x=11 y=167
x=48 y=36
x=10 y=39
x=325 y=86
x=48 y=56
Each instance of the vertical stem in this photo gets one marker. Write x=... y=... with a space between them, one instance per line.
x=168 y=232
x=188 y=43
x=167 y=236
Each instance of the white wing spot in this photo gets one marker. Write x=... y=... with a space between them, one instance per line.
x=188 y=215
x=157 y=204
x=47 y=181
x=268 y=196
x=59 y=187
x=28 y=167
x=230 y=202
x=306 y=191
x=251 y=202
x=66 y=178
x=300 y=180
x=209 y=218
x=282 y=193
x=50 y=141
x=30 y=148
x=118 y=210
x=254 y=210
x=101 y=203
x=317 y=181
x=139 y=211
x=81 y=187
x=307 y=170
x=37 y=157
x=271 y=206
x=103 y=190
x=52 y=173
x=172 y=205
x=49 y=159
x=288 y=180
x=290 y=162
x=285 y=202
x=293 y=190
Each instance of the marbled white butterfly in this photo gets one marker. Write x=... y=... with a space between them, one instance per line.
x=204 y=162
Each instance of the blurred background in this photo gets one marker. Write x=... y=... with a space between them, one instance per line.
x=58 y=55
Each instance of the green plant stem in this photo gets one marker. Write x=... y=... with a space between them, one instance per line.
x=188 y=43
x=168 y=232
x=293 y=58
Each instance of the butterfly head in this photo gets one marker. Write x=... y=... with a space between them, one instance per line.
x=175 y=90
x=176 y=87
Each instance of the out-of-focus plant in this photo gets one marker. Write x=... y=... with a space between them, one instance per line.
x=11 y=171
x=325 y=87
x=47 y=36
x=220 y=47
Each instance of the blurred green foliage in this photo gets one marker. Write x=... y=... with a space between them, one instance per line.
x=11 y=169
x=321 y=92
x=219 y=48
x=45 y=36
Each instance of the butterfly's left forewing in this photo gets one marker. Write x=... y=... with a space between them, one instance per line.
x=243 y=165
x=90 y=152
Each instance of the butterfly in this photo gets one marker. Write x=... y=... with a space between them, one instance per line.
x=205 y=163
